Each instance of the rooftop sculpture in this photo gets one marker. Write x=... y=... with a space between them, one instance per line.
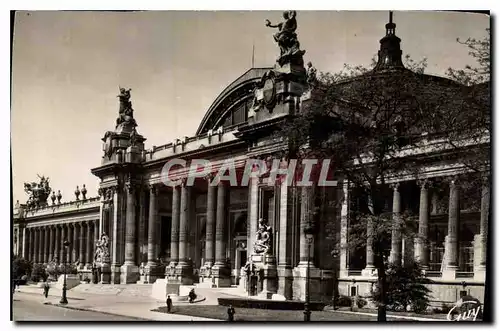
x=38 y=192
x=287 y=39
x=126 y=112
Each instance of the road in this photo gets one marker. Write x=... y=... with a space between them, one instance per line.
x=30 y=307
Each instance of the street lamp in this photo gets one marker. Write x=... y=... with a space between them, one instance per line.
x=309 y=233
x=64 y=300
x=335 y=254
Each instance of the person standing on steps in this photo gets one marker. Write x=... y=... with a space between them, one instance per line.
x=169 y=304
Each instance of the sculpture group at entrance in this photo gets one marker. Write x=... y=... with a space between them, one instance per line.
x=100 y=265
x=260 y=269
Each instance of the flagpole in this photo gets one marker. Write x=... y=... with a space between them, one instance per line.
x=253 y=54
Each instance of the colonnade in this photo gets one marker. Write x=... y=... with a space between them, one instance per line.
x=45 y=243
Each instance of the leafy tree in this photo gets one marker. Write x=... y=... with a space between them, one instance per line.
x=21 y=267
x=405 y=287
x=38 y=273
x=473 y=122
x=361 y=119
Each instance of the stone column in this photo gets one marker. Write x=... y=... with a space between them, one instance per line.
x=306 y=218
x=32 y=245
x=151 y=271
x=286 y=218
x=369 y=269
x=81 y=244
x=71 y=240
x=51 y=243
x=344 y=231
x=480 y=270
x=88 y=247
x=210 y=227
x=451 y=248
x=25 y=251
x=76 y=243
x=253 y=213
x=422 y=242
x=57 y=244
x=116 y=213
x=300 y=272
x=129 y=271
x=395 y=256
x=40 y=245
x=184 y=267
x=174 y=239
x=64 y=236
x=142 y=244
x=36 y=245
x=96 y=237
x=220 y=270
x=46 y=242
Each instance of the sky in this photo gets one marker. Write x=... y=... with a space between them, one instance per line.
x=67 y=68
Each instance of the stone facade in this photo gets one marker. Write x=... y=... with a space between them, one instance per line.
x=198 y=233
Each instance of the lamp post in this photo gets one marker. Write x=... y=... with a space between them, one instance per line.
x=309 y=233
x=64 y=300
x=335 y=254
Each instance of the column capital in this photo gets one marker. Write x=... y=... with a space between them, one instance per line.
x=153 y=188
x=454 y=181
x=395 y=186
x=209 y=178
x=131 y=187
x=425 y=183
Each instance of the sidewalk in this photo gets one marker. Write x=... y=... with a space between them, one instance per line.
x=130 y=306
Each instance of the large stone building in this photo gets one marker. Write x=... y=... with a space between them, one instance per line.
x=205 y=234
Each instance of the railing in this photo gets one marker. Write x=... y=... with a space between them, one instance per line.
x=354 y=272
x=436 y=259
x=466 y=262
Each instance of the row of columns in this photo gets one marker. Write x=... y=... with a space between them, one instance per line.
x=215 y=250
x=421 y=253
x=44 y=244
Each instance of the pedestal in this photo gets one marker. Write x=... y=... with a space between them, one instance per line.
x=269 y=281
x=164 y=287
x=105 y=274
x=151 y=273
x=285 y=282
x=300 y=283
x=115 y=274
x=184 y=273
x=221 y=276
x=129 y=274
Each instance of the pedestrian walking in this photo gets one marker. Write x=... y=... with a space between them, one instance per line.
x=46 y=288
x=230 y=313
x=169 y=304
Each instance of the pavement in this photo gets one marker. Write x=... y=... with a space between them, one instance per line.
x=129 y=306
x=28 y=307
x=135 y=303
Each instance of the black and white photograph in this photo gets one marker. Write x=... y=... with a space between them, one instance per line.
x=251 y=166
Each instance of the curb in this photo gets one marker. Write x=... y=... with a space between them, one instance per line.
x=393 y=316
x=50 y=295
x=96 y=311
